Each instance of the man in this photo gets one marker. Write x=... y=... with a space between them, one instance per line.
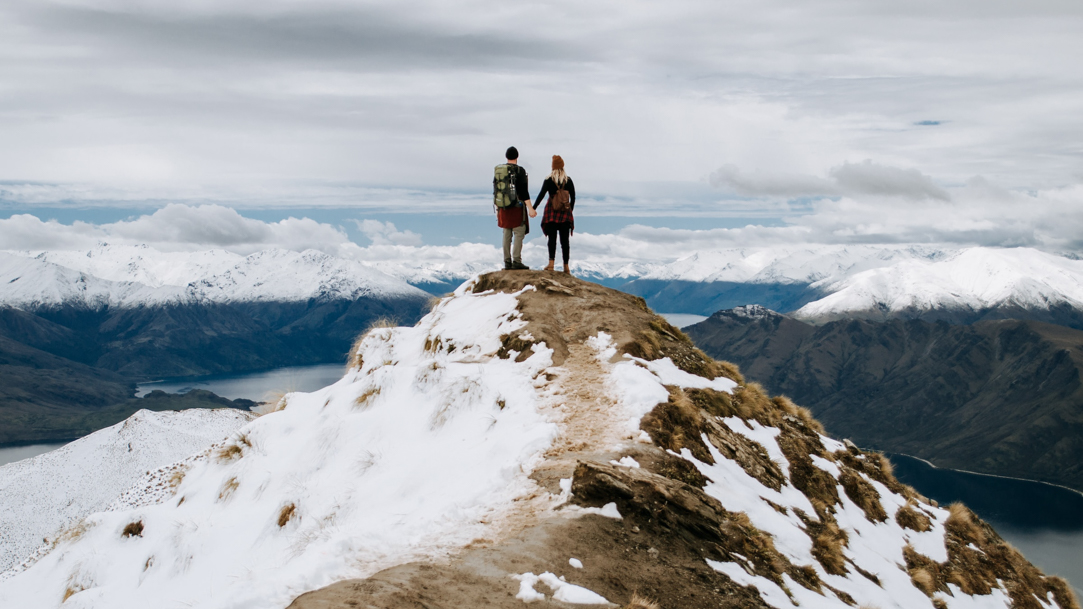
x=513 y=219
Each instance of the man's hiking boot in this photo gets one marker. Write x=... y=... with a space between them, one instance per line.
x=508 y=266
x=519 y=266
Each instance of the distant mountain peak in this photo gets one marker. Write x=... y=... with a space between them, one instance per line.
x=752 y=311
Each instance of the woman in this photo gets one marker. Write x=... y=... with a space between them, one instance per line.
x=558 y=218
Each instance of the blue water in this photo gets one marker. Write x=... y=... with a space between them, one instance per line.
x=683 y=320
x=1044 y=521
x=18 y=453
x=257 y=386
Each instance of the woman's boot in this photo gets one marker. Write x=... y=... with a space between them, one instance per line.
x=550 y=267
x=567 y=269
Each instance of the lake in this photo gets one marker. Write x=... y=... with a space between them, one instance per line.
x=683 y=320
x=12 y=454
x=1044 y=521
x=256 y=386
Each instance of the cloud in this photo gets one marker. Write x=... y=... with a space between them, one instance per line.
x=241 y=100
x=177 y=227
x=868 y=178
x=385 y=233
x=849 y=179
x=979 y=213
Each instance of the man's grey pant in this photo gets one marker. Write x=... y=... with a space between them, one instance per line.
x=514 y=253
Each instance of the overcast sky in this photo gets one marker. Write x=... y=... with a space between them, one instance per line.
x=850 y=120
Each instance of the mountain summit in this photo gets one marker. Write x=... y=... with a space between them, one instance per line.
x=533 y=438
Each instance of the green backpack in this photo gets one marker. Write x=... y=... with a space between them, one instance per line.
x=504 y=185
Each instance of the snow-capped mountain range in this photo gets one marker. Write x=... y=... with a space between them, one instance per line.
x=133 y=276
x=976 y=279
x=475 y=425
x=863 y=281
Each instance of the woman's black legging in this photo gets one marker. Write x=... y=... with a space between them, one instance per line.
x=565 y=247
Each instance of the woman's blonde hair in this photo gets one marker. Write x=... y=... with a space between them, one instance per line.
x=558 y=176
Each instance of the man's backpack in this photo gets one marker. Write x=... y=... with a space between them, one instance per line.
x=504 y=185
x=560 y=199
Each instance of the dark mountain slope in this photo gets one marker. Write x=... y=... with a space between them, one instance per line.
x=190 y=340
x=68 y=371
x=998 y=397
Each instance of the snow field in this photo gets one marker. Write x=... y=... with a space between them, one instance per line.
x=413 y=455
x=42 y=495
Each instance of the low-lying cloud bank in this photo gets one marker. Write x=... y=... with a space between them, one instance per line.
x=862 y=203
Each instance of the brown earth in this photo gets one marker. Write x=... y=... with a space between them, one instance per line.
x=669 y=526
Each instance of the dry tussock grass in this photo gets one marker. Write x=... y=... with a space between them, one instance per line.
x=228 y=489
x=961 y=522
x=355 y=360
x=71 y=591
x=72 y=533
x=234 y=449
x=286 y=514
x=133 y=529
x=802 y=414
x=910 y=518
x=678 y=424
x=923 y=580
x=640 y=602
x=864 y=495
x=177 y=477
x=828 y=540
x=363 y=400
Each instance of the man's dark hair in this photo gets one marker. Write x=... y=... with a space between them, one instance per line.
x=511 y=154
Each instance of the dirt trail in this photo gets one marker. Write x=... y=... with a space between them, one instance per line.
x=588 y=416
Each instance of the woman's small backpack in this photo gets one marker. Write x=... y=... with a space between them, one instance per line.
x=560 y=200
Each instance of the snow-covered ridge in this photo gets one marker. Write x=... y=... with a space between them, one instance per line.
x=131 y=276
x=885 y=279
x=41 y=495
x=974 y=279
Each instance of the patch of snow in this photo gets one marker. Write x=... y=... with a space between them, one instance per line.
x=770 y=592
x=831 y=445
x=562 y=590
x=576 y=563
x=527 y=593
x=608 y=510
x=625 y=461
x=826 y=465
x=570 y=593
x=670 y=374
x=996 y=599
